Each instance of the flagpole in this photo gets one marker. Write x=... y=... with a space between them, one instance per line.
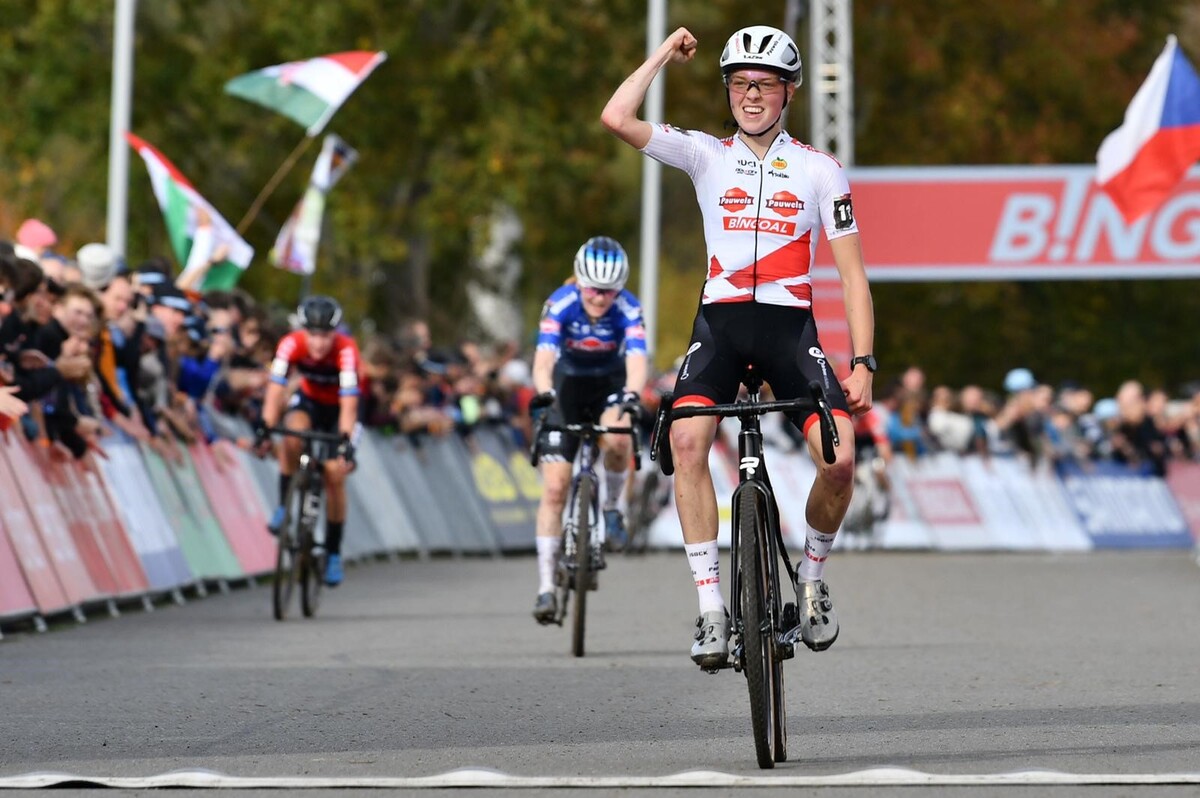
x=280 y=173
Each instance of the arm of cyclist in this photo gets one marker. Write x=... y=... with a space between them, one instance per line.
x=620 y=115
x=637 y=368
x=347 y=426
x=860 y=316
x=544 y=359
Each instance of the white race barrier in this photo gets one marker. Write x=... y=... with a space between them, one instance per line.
x=950 y=503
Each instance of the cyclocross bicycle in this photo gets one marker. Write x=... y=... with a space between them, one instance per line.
x=760 y=620
x=580 y=551
x=300 y=558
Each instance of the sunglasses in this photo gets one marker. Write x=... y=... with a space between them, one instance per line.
x=599 y=291
x=766 y=86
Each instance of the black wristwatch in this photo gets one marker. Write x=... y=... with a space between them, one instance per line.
x=866 y=360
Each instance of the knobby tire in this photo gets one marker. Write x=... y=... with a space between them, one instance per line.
x=312 y=566
x=583 y=561
x=286 y=556
x=759 y=660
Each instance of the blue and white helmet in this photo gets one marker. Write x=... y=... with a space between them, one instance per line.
x=601 y=263
x=762 y=47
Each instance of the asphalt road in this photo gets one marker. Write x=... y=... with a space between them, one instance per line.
x=961 y=666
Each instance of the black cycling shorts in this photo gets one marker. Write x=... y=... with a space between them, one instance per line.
x=322 y=417
x=580 y=399
x=780 y=343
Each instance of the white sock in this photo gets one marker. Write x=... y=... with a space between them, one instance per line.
x=614 y=483
x=705 y=561
x=547 y=555
x=816 y=551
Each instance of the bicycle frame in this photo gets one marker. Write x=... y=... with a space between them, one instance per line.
x=752 y=471
x=755 y=588
x=575 y=565
x=300 y=556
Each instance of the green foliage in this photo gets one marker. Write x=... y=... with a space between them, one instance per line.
x=483 y=103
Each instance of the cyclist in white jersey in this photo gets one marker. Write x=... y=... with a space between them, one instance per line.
x=764 y=197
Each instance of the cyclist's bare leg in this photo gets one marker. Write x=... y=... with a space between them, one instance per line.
x=289 y=451
x=827 y=504
x=556 y=480
x=618 y=449
x=696 y=500
x=834 y=485
x=335 y=492
x=691 y=439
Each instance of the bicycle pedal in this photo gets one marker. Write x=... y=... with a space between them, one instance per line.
x=786 y=650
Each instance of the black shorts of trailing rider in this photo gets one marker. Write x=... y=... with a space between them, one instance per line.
x=581 y=398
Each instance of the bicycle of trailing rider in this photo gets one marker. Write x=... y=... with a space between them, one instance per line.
x=581 y=546
x=300 y=556
x=764 y=627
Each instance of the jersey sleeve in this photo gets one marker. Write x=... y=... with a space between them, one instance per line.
x=633 y=323
x=285 y=356
x=551 y=324
x=689 y=150
x=833 y=195
x=349 y=364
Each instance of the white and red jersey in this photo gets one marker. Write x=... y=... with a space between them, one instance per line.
x=759 y=215
x=324 y=380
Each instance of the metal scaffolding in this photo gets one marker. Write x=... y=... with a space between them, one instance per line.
x=829 y=73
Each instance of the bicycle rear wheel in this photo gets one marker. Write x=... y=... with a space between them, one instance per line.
x=583 y=560
x=643 y=509
x=312 y=568
x=287 y=554
x=764 y=676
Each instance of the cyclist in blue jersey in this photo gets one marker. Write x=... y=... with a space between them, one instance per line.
x=590 y=364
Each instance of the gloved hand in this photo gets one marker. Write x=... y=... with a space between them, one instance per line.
x=631 y=403
x=540 y=404
x=262 y=435
x=543 y=400
x=345 y=450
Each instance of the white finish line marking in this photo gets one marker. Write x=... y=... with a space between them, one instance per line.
x=478 y=777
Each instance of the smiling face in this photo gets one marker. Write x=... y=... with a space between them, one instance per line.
x=597 y=301
x=757 y=98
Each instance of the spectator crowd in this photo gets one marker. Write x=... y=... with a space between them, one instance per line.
x=1143 y=428
x=88 y=344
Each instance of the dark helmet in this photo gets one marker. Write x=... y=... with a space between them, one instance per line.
x=320 y=313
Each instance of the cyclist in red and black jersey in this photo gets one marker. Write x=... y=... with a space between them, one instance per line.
x=326 y=400
x=765 y=198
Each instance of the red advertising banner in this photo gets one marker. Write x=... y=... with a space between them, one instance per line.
x=109 y=529
x=34 y=561
x=244 y=526
x=1183 y=479
x=1015 y=223
x=65 y=556
x=939 y=224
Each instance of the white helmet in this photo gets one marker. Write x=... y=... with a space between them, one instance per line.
x=761 y=46
x=601 y=263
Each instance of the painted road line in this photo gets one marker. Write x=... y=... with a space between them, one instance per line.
x=477 y=777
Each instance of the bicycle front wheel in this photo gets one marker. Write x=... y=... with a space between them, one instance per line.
x=763 y=669
x=287 y=554
x=583 y=560
x=312 y=569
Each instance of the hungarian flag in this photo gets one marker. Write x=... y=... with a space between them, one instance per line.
x=195 y=228
x=1141 y=162
x=296 y=245
x=311 y=91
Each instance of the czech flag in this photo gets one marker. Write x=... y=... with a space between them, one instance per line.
x=1140 y=163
